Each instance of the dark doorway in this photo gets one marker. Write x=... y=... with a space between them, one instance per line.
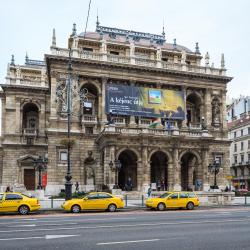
x=188 y=173
x=128 y=170
x=29 y=179
x=159 y=173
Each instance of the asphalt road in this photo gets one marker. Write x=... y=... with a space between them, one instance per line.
x=227 y=228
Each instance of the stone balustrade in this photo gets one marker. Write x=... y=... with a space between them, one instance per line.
x=137 y=60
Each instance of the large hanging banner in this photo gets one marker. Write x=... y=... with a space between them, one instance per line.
x=148 y=102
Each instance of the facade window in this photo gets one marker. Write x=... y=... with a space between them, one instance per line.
x=242 y=158
x=241 y=132
x=87 y=49
x=249 y=158
x=114 y=53
x=242 y=145
x=235 y=134
x=235 y=147
x=30 y=140
x=248 y=144
x=249 y=130
x=242 y=171
x=89 y=130
x=235 y=172
x=63 y=155
x=235 y=159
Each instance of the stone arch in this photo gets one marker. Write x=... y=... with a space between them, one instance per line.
x=135 y=151
x=30 y=116
x=190 y=162
x=91 y=105
x=127 y=176
x=194 y=112
x=93 y=82
x=170 y=158
x=159 y=161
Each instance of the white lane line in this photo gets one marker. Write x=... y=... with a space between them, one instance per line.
x=47 y=237
x=130 y=225
x=76 y=220
x=125 y=242
x=35 y=225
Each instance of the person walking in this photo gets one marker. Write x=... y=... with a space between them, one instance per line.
x=149 y=191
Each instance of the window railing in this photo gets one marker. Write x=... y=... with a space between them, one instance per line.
x=30 y=131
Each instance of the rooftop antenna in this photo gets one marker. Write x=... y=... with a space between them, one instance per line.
x=97 y=20
x=87 y=19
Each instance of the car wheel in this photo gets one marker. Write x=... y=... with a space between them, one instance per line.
x=75 y=209
x=161 y=206
x=23 y=210
x=112 y=208
x=190 y=206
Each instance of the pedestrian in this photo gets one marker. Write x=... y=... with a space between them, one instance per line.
x=149 y=191
x=77 y=187
x=158 y=185
x=7 y=189
x=129 y=184
x=162 y=185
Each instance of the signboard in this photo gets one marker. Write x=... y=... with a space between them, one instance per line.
x=148 y=102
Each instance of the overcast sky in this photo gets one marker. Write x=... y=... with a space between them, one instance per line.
x=220 y=26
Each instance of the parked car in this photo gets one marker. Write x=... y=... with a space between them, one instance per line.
x=17 y=202
x=94 y=201
x=187 y=200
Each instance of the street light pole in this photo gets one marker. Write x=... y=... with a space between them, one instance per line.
x=68 y=177
x=214 y=168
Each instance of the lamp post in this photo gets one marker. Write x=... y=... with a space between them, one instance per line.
x=115 y=166
x=40 y=165
x=214 y=168
x=65 y=93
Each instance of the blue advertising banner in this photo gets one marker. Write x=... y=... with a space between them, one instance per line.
x=141 y=101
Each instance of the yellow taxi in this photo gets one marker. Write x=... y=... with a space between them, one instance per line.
x=187 y=200
x=94 y=201
x=17 y=202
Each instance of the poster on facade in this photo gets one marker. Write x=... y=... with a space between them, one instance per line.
x=143 y=101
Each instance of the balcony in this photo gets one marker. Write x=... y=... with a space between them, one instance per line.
x=89 y=119
x=30 y=132
x=138 y=60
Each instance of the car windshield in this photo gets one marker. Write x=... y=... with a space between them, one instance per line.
x=164 y=195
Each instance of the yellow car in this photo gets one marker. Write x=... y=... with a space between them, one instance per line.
x=94 y=201
x=17 y=202
x=186 y=200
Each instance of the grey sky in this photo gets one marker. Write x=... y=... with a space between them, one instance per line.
x=220 y=26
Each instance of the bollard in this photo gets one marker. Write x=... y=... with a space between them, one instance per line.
x=52 y=202
x=142 y=200
x=126 y=200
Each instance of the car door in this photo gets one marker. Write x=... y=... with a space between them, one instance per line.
x=91 y=202
x=11 y=202
x=183 y=199
x=104 y=200
x=172 y=200
x=1 y=202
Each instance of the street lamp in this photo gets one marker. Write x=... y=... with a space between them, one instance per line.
x=40 y=165
x=65 y=93
x=115 y=167
x=214 y=168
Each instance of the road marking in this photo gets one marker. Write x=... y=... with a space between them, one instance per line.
x=35 y=225
x=125 y=242
x=131 y=225
x=47 y=237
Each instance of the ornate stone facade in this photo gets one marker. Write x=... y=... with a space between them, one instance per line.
x=178 y=158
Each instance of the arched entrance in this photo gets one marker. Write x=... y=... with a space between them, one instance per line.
x=128 y=172
x=159 y=171
x=188 y=171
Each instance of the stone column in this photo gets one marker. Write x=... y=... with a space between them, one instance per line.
x=42 y=118
x=139 y=175
x=146 y=168
x=18 y=117
x=204 y=158
x=184 y=122
x=223 y=110
x=170 y=176
x=208 y=108
x=53 y=105
x=177 y=170
x=102 y=102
